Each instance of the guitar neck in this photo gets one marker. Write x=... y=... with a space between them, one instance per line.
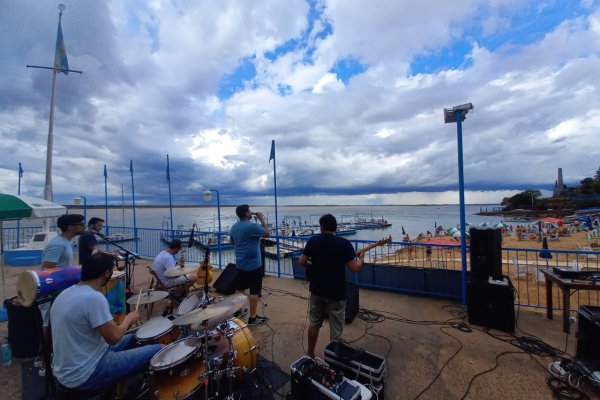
x=373 y=245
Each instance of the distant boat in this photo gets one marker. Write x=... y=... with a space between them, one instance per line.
x=116 y=237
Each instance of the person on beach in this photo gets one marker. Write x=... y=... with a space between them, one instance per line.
x=88 y=244
x=326 y=257
x=90 y=350
x=246 y=237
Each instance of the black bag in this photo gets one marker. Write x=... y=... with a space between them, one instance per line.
x=24 y=329
x=351 y=301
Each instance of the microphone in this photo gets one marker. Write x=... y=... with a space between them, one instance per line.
x=99 y=234
x=191 y=239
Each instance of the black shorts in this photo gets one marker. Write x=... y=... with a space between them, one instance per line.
x=250 y=280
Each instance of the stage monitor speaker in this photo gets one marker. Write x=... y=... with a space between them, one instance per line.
x=24 y=328
x=588 y=333
x=352 y=303
x=491 y=304
x=486 y=253
x=226 y=283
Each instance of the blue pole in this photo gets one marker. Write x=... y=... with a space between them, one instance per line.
x=276 y=216
x=84 y=208
x=170 y=200
x=461 y=193
x=106 y=201
x=135 y=231
x=219 y=219
x=19 y=192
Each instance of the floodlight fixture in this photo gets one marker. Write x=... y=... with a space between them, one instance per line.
x=450 y=114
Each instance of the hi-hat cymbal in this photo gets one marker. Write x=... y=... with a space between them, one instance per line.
x=148 y=297
x=178 y=271
x=200 y=315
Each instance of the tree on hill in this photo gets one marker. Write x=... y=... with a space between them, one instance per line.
x=522 y=200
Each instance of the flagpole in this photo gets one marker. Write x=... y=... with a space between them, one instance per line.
x=272 y=157
x=19 y=193
x=170 y=201
x=60 y=65
x=135 y=231
x=106 y=203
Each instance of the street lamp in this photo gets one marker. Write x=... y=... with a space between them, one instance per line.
x=457 y=114
x=77 y=200
x=207 y=195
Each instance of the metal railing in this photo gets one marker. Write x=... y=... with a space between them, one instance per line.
x=421 y=268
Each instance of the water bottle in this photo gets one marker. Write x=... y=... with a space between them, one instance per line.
x=6 y=355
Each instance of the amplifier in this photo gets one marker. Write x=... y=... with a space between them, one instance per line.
x=588 y=332
x=491 y=303
x=312 y=380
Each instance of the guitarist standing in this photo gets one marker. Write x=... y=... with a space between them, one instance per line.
x=326 y=257
x=246 y=236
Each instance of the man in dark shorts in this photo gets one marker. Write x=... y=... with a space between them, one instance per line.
x=326 y=257
x=246 y=236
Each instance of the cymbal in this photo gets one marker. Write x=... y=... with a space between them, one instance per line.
x=233 y=302
x=200 y=315
x=178 y=271
x=148 y=297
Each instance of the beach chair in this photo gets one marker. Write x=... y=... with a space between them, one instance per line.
x=521 y=271
x=587 y=255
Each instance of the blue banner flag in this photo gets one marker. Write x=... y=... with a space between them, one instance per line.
x=20 y=171
x=168 y=170
x=272 y=156
x=105 y=173
x=60 y=57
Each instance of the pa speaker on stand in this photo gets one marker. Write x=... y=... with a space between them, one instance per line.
x=486 y=253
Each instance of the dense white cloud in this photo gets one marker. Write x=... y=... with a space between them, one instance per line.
x=155 y=79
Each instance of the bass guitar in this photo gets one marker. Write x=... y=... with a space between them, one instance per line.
x=373 y=245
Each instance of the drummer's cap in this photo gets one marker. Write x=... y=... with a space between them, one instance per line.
x=64 y=221
x=175 y=244
x=95 y=265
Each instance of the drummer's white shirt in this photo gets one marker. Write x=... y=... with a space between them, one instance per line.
x=78 y=346
x=164 y=261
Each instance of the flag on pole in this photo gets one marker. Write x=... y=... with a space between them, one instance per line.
x=168 y=170
x=60 y=57
x=272 y=156
x=105 y=173
x=20 y=171
x=131 y=166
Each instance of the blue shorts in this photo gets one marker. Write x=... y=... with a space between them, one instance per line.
x=120 y=362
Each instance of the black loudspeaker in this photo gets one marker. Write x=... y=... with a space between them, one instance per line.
x=24 y=328
x=351 y=301
x=226 y=283
x=486 y=253
x=491 y=304
x=588 y=333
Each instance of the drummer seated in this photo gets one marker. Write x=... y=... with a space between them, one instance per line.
x=164 y=261
x=91 y=351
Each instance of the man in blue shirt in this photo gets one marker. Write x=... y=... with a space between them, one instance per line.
x=90 y=350
x=246 y=236
x=59 y=251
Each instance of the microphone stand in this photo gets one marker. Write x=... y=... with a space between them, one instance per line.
x=128 y=265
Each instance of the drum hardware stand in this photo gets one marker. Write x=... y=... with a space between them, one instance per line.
x=128 y=265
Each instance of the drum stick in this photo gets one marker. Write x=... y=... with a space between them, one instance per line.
x=137 y=305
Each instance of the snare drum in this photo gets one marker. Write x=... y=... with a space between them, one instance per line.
x=114 y=291
x=48 y=282
x=158 y=330
x=176 y=371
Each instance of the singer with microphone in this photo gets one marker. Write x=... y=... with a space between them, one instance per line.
x=88 y=244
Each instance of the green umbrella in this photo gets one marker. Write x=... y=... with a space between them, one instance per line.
x=20 y=206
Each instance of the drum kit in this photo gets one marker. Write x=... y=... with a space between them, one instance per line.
x=207 y=350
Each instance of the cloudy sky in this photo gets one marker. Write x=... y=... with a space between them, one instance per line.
x=351 y=91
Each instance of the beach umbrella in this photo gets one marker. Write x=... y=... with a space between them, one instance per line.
x=545 y=253
x=453 y=230
x=403 y=231
x=501 y=225
x=16 y=207
x=485 y=224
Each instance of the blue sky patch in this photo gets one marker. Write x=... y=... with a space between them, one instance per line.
x=235 y=81
x=346 y=68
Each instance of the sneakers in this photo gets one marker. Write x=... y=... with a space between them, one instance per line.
x=257 y=320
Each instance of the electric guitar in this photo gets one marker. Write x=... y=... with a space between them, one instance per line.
x=205 y=275
x=373 y=245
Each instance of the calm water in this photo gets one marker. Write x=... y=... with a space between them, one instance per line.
x=414 y=219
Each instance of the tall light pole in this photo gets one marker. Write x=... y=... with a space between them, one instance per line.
x=531 y=201
x=207 y=195
x=457 y=114
x=77 y=200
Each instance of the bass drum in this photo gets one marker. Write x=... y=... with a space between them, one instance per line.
x=176 y=371
x=246 y=350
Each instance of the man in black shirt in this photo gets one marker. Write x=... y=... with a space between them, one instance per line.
x=88 y=244
x=326 y=257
